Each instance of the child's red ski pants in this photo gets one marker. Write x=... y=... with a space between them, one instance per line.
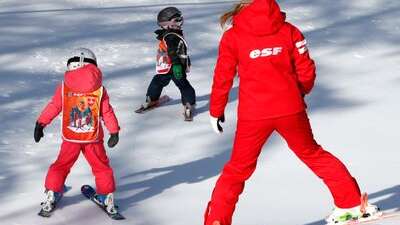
x=96 y=156
x=249 y=140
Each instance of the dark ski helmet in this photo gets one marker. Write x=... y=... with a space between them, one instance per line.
x=170 y=17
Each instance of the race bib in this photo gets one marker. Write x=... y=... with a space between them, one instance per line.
x=81 y=115
x=164 y=63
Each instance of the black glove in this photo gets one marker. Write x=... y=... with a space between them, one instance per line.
x=113 y=140
x=222 y=120
x=215 y=123
x=38 y=132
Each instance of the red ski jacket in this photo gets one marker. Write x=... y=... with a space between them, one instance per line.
x=272 y=61
x=85 y=79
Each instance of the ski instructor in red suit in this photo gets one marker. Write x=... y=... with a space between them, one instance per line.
x=275 y=72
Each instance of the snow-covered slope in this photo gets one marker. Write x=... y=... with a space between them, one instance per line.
x=165 y=167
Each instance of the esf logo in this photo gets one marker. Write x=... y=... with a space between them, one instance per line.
x=265 y=52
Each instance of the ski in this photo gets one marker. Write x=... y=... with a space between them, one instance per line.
x=89 y=192
x=371 y=220
x=161 y=101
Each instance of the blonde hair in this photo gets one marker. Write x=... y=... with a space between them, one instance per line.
x=227 y=16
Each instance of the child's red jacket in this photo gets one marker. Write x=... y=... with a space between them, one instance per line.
x=85 y=79
x=272 y=60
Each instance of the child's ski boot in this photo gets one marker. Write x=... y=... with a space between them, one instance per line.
x=50 y=203
x=188 y=111
x=149 y=103
x=363 y=212
x=107 y=201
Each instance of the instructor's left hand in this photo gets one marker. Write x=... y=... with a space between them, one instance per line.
x=113 y=140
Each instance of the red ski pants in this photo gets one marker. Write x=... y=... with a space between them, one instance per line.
x=94 y=153
x=249 y=139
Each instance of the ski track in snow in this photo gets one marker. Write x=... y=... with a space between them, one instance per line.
x=165 y=166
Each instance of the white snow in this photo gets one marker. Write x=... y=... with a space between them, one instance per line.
x=166 y=168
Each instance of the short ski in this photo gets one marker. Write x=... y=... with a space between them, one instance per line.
x=161 y=101
x=373 y=220
x=89 y=192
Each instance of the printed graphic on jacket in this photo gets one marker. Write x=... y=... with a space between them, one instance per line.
x=164 y=62
x=81 y=115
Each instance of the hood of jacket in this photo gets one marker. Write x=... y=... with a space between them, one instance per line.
x=84 y=79
x=260 y=18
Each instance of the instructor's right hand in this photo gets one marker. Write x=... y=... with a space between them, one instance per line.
x=215 y=123
x=38 y=134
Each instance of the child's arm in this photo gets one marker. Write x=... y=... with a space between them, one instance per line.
x=172 y=44
x=224 y=73
x=52 y=109
x=304 y=65
x=108 y=115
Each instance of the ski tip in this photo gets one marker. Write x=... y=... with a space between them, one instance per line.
x=43 y=214
x=140 y=110
x=86 y=187
x=119 y=217
x=364 y=202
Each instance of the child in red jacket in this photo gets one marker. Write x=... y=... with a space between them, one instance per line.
x=83 y=101
x=276 y=72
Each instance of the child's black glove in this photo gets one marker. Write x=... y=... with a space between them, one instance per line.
x=38 y=134
x=113 y=140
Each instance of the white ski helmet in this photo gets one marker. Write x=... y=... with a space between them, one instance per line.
x=80 y=57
